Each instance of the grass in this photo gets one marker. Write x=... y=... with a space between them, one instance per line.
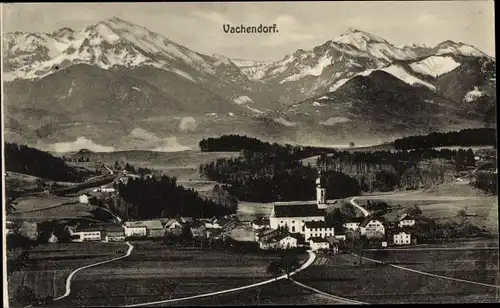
x=143 y=276
x=282 y=292
x=377 y=283
x=475 y=265
x=49 y=265
x=35 y=203
x=62 y=212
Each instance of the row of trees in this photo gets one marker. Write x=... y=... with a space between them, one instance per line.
x=258 y=178
x=487 y=181
x=386 y=171
x=31 y=161
x=161 y=197
x=464 y=137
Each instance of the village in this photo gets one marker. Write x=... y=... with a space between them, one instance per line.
x=290 y=225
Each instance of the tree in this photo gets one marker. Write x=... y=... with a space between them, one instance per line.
x=23 y=296
x=462 y=216
x=351 y=144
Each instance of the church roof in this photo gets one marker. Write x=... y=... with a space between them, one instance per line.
x=298 y=210
x=317 y=224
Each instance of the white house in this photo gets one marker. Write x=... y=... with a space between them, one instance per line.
x=173 y=224
x=288 y=242
x=318 y=229
x=213 y=224
x=317 y=243
x=87 y=234
x=352 y=225
x=134 y=230
x=406 y=220
x=372 y=227
x=402 y=238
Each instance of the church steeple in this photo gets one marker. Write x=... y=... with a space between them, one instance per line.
x=320 y=191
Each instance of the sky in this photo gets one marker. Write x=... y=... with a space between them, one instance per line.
x=301 y=25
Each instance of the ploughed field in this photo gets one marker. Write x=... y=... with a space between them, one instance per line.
x=375 y=283
x=49 y=265
x=156 y=272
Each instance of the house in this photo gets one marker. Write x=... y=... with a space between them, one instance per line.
x=339 y=235
x=287 y=242
x=402 y=238
x=353 y=223
x=334 y=243
x=11 y=227
x=372 y=227
x=228 y=223
x=133 y=230
x=213 y=223
x=186 y=220
x=154 y=228
x=173 y=227
x=265 y=234
x=317 y=243
x=260 y=224
x=113 y=232
x=318 y=229
x=198 y=230
x=89 y=233
x=214 y=233
x=406 y=220
x=47 y=237
x=104 y=189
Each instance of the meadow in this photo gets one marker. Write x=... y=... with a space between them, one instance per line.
x=157 y=272
x=382 y=284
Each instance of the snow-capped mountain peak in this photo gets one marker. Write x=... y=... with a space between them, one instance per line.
x=355 y=36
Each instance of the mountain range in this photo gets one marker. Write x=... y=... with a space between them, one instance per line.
x=121 y=86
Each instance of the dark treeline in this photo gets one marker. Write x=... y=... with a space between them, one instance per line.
x=486 y=181
x=386 y=171
x=237 y=143
x=31 y=161
x=162 y=197
x=274 y=176
x=464 y=137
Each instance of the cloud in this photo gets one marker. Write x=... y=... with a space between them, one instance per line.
x=144 y=139
x=334 y=120
x=187 y=124
x=213 y=16
x=79 y=144
x=284 y=122
x=428 y=20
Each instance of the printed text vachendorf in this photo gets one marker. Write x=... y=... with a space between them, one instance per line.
x=250 y=29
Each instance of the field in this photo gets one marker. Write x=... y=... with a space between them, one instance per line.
x=282 y=292
x=378 y=283
x=36 y=203
x=50 y=264
x=151 y=269
x=250 y=210
x=64 y=212
x=442 y=203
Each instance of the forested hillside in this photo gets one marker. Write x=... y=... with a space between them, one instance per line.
x=464 y=137
x=162 y=197
x=31 y=161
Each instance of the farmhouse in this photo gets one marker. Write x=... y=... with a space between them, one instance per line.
x=317 y=243
x=318 y=229
x=353 y=223
x=198 y=230
x=287 y=242
x=402 y=238
x=113 y=232
x=265 y=234
x=154 y=228
x=372 y=227
x=173 y=226
x=260 y=224
x=90 y=233
x=134 y=230
x=213 y=223
x=186 y=220
x=406 y=220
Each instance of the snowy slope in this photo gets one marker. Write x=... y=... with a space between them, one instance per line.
x=435 y=65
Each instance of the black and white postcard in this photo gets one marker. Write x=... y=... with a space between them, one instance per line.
x=249 y=153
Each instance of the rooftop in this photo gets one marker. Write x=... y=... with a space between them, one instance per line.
x=149 y=224
x=318 y=224
x=298 y=210
x=367 y=220
x=318 y=240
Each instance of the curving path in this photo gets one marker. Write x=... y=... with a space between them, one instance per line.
x=312 y=257
x=359 y=207
x=73 y=273
x=341 y=300
x=432 y=275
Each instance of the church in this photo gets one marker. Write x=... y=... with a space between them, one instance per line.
x=294 y=215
